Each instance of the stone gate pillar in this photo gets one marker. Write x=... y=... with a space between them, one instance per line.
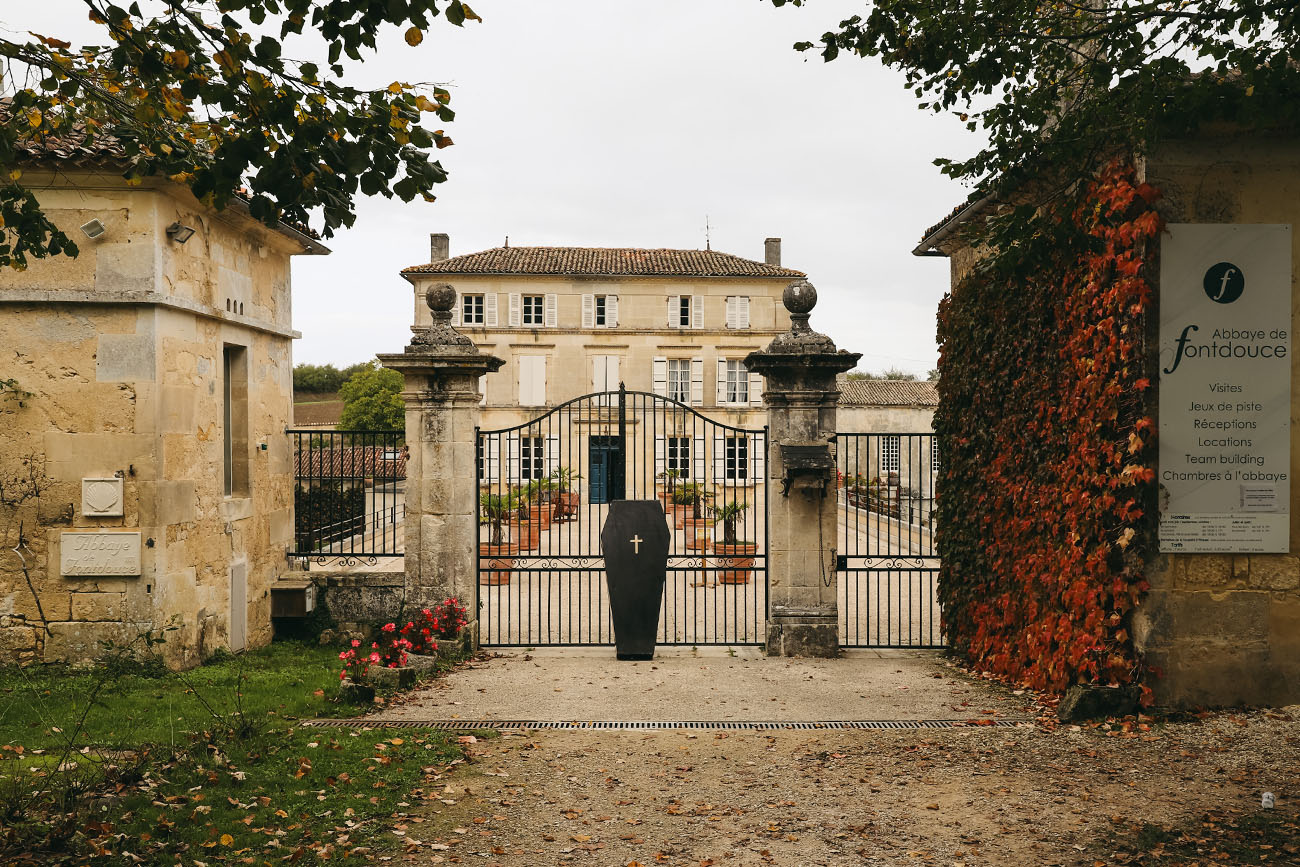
x=442 y=368
x=799 y=369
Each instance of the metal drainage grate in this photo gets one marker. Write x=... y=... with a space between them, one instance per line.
x=662 y=725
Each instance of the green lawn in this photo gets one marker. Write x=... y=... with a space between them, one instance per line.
x=170 y=780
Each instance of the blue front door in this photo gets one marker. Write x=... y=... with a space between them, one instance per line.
x=603 y=465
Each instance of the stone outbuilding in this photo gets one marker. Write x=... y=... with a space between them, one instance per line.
x=147 y=387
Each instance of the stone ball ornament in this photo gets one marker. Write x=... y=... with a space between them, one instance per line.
x=441 y=297
x=800 y=297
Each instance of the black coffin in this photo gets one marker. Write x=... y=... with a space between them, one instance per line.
x=635 y=542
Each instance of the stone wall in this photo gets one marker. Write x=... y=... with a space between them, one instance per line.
x=121 y=350
x=1225 y=629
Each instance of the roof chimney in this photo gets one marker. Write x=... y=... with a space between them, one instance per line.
x=439 y=247
x=772 y=251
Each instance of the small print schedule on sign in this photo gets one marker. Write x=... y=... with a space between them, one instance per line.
x=1225 y=388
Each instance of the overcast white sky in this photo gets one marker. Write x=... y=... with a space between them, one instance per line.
x=598 y=123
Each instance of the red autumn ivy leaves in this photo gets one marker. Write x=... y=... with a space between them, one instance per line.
x=1045 y=517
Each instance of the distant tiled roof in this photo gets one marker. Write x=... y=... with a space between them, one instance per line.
x=887 y=392
x=613 y=262
x=355 y=462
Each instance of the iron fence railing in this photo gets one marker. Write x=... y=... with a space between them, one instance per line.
x=349 y=494
x=886 y=556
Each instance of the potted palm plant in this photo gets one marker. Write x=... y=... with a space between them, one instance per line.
x=691 y=500
x=671 y=480
x=567 y=498
x=495 y=509
x=735 y=558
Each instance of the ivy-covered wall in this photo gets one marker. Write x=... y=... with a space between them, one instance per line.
x=1048 y=442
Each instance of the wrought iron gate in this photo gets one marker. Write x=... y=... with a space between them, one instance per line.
x=886 y=558
x=544 y=489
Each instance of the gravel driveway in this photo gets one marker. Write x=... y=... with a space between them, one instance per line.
x=953 y=797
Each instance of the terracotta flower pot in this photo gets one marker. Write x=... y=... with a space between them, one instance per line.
x=540 y=514
x=684 y=514
x=525 y=534
x=735 y=561
x=495 y=561
x=697 y=533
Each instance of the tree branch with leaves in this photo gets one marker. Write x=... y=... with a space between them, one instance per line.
x=203 y=94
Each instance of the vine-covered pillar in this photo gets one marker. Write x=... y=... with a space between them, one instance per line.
x=442 y=368
x=799 y=369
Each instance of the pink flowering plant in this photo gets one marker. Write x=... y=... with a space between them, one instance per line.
x=391 y=648
x=355 y=665
x=443 y=621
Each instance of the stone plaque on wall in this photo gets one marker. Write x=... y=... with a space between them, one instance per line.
x=101 y=498
x=107 y=553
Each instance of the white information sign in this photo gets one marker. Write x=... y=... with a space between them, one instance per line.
x=1225 y=388
x=104 y=553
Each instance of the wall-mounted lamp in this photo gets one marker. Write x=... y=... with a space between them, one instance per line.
x=93 y=229
x=179 y=232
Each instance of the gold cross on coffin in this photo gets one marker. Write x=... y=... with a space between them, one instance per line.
x=636 y=544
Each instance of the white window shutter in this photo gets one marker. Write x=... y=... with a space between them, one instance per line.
x=516 y=310
x=611 y=372
x=742 y=311
x=731 y=311
x=589 y=311
x=482 y=390
x=722 y=381
x=552 y=310
x=755 y=389
x=719 y=458
x=697 y=382
x=490 y=310
x=512 y=459
x=552 y=455
x=757 y=459
x=458 y=310
x=660 y=448
x=660 y=377
x=697 y=460
x=674 y=311
x=539 y=380
x=493 y=451
x=611 y=311
x=598 y=373
x=697 y=311
x=532 y=380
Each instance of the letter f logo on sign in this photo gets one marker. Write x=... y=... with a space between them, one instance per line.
x=1224 y=283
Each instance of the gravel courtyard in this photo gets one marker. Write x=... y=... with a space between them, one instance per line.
x=1141 y=791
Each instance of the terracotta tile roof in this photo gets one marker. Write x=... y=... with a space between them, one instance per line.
x=887 y=392
x=613 y=261
x=351 y=462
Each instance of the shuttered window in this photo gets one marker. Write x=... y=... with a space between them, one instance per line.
x=532 y=380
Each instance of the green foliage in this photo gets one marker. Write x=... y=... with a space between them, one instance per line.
x=372 y=400
x=727 y=514
x=495 y=509
x=1046 y=486
x=1058 y=84
x=323 y=378
x=564 y=478
x=194 y=94
x=203 y=784
x=890 y=373
x=325 y=512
